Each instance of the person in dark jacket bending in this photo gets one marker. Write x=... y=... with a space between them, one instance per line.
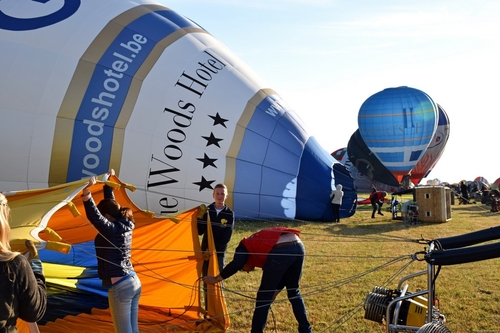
x=280 y=253
x=113 y=245
x=22 y=283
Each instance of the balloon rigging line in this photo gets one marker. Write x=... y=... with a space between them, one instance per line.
x=163 y=323
x=348 y=315
x=322 y=287
x=336 y=283
x=325 y=286
x=376 y=238
x=344 y=318
x=167 y=250
x=278 y=254
x=330 y=286
x=193 y=287
x=158 y=276
x=184 y=285
x=343 y=281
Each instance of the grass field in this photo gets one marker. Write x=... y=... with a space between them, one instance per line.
x=345 y=260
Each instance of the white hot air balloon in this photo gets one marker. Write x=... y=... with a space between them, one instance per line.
x=132 y=85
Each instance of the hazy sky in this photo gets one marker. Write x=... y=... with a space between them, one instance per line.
x=325 y=58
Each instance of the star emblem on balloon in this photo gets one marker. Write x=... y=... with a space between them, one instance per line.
x=218 y=120
x=207 y=161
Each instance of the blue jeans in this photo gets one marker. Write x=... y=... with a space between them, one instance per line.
x=283 y=268
x=123 y=299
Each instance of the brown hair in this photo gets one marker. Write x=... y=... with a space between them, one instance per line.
x=220 y=185
x=112 y=208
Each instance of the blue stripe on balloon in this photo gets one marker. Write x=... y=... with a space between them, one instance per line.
x=314 y=183
x=92 y=141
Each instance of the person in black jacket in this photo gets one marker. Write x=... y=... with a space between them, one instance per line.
x=113 y=245
x=464 y=191
x=23 y=292
x=222 y=221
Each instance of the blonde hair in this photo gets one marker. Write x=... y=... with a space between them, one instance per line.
x=5 y=252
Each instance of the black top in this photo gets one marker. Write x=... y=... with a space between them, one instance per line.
x=113 y=243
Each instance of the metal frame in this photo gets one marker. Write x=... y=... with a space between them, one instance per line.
x=397 y=302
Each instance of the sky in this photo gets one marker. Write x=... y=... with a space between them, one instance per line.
x=325 y=58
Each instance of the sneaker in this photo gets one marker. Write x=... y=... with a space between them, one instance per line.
x=379 y=213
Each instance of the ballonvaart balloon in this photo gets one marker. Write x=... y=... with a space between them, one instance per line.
x=397 y=125
x=132 y=85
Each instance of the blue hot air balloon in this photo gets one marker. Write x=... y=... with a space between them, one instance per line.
x=397 y=125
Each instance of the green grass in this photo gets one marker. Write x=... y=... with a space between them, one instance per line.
x=345 y=260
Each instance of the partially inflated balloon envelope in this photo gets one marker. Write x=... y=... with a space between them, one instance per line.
x=132 y=85
x=481 y=183
x=397 y=125
x=341 y=155
x=365 y=162
x=435 y=149
x=169 y=266
x=361 y=181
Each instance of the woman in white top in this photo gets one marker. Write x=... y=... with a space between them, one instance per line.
x=336 y=197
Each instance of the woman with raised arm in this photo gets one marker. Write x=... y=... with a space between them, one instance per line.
x=113 y=245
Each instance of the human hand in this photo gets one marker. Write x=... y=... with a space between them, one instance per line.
x=92 y=181
x=32 y=251
x=86 y=192
x=111 y=172
x=202 y=209
x=211 y=279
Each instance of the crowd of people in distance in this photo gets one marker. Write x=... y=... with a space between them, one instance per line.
x=471 y=193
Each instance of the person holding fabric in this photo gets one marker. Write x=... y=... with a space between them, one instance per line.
x=113 y=245
x=222 y=221
x=336 y=199
x=280 y=253
x=23 y=292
